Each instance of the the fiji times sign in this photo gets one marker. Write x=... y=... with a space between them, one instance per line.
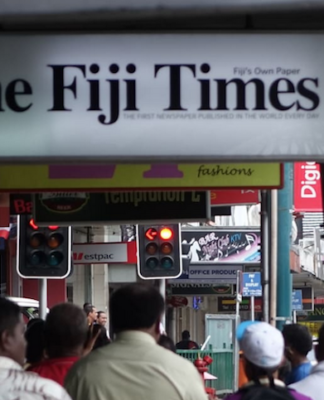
x=167 y=97
x=120 y=207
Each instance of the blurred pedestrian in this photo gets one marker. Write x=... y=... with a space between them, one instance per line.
x=166 y=342
x=312 y=385
x=15 y=383
x=134 y=366
x=101 y=336
x=91 y=314
x=298 y=343
x=35 y=342
x=102 y=318
x=263 y=354
x=186 y=343
x=65 y=334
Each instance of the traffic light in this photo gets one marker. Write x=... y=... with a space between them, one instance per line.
x=158 y=251
x=43 y=252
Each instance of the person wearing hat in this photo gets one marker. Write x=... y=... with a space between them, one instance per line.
x=263 y=354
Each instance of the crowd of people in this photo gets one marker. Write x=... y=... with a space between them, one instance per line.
x=70 y=356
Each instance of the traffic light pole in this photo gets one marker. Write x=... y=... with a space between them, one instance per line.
x=42 y=295
x=162 y=291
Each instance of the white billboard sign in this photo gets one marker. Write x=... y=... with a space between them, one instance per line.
x=181 y=97
x=100 y=253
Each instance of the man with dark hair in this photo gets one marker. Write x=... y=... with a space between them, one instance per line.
x=298 y=343
x=186 y=343
x=262 y=346
x=65 y=335
x=102 y=318
x=312 y=386
x=91 y=314
x=15 y=383
x=134 y=366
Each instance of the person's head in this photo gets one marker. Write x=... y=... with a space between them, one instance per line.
x=35 y=340
x=263 y=349
x=102 y=318
x=102 y=338
x=166 y=342
x=137 y=306
x=12 y=332
x=65 y=331
x=85 y=305
x=185 y=335
x=298 y=342
x=319 y=348
x=91 y=313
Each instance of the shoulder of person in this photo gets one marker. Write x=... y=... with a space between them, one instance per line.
x=45 y=388
x=297 y=395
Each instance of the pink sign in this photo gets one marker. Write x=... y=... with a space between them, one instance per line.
x=307 y=187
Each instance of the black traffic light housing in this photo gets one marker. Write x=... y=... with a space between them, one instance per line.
x=158 y=251
x=43 y=252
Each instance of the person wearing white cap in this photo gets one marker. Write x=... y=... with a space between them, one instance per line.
x=263 y=354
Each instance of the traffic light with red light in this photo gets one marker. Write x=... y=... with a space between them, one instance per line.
x=158 y=251
x=42 y=252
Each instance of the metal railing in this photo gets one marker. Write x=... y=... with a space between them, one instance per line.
x=221 y=367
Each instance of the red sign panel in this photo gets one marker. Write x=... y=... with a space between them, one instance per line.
x=307 y=187
x=232 y=197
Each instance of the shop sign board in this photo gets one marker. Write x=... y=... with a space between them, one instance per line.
x=120 y=207
x=206 y=272
x=224 y=246
x=103 y=177
x=138 y=97
x=234 y=197
x=80 y=208
x=227 y=304
x=307 y=187
x=104 y=253
x=195 y=289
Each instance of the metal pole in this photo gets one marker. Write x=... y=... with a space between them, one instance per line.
x=252 y=309
x=274 y=257
x=162 y=291
x=284 y=281
x=294 y=316
x=265 y=253
x=42 y=295
x=236 y=353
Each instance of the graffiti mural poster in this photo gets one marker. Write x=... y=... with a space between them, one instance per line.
x=233 y=246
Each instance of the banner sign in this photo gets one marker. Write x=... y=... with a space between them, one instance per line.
x=252 y=284
x=42 y=178
x=205 y=272
x=104 y=253
x=194 y=289
x=297 y=300
x=120 y=207
x=307 y=187
x=233 y=197
x=230 y=246
x=307 y=297
x=139 y=97
x=228 y=304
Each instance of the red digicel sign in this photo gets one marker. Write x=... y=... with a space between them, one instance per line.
x=232 y=197
x=307 y=187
